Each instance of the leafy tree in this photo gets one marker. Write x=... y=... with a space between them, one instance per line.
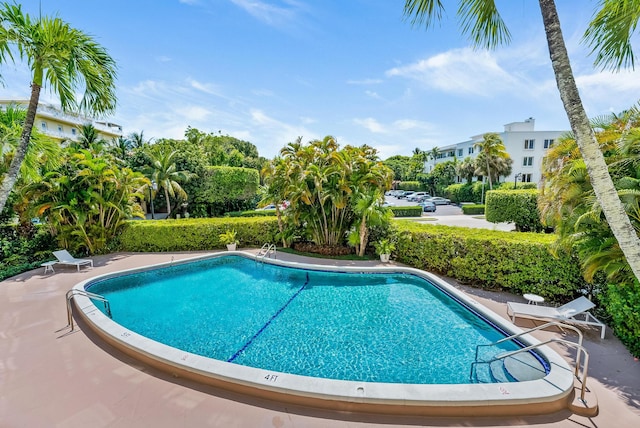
x=608 y=34
x=400 y=165
x=63 y=58
x=442 y=175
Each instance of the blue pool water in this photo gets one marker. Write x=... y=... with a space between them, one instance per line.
x=395 y=328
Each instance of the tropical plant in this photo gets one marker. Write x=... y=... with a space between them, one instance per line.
x=61 y=57
x=466 y=169
x=229 y=237
x=86 y=200
x=162 y=171
x=384 y=246
x=369 y=212
x=322 y=183
x=492 y=160
x=608 y=34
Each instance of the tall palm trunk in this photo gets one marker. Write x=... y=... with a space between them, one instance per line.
x=601 y=181
x=21 y=151
x=166 y=195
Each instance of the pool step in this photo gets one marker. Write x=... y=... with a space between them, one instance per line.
x=523 y=367
x=516 y=368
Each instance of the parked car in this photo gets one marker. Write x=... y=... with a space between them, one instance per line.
x=417 y=196
x=439 y=201
x=428 y=206
x=405 y=195
x=388 y=204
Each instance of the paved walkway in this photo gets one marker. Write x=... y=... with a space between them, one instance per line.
x=53 y=379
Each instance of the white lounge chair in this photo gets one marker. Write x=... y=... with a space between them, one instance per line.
x=64 y=258
x=574 y=312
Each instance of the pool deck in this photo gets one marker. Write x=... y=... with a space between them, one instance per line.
x=61 y=379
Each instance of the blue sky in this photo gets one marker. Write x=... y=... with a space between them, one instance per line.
x=268 y=71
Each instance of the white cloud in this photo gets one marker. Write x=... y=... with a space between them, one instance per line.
x=207 y=88
x=270 y=14
x=364 y=82
x=372 y=94
x=460 y=71
x=371 y=124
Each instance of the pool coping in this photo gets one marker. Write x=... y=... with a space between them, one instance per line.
x=552 y=393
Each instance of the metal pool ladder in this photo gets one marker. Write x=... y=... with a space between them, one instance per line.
x=266 y=251
x=75 y=292
x=578 y=345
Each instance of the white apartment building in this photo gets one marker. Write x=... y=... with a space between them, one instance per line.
x=523 y=143
x=53 y=122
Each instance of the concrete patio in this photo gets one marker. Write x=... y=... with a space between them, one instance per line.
x=62 y=379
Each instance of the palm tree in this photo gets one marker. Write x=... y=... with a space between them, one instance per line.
x=61 y=57
x=491 y=157
x=89 y=138
x=137 y=140
x=163 y=172
x=466 y=169
x=609 y=35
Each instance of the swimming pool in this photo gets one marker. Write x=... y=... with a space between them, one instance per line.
x=294 y=330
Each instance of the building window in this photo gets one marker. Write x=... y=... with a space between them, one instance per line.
x=460 y=153
x=43 y=125
x=529 y=144
x=470 y=150
x=526 y=178
x=60 y=128
x=548 y=143
x=527 y=161
x=73 y=131
x=451 y=154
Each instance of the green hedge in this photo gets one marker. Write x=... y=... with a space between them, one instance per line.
x=621 y=303
x=473 y=209
x=252 y=213
x=410 y=185
x=519 y=262
x=516 y=206
x=413 y=211
x=225 y=189
x=194 y=234
x=465 y=192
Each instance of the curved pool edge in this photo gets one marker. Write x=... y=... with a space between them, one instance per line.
x=552 y=393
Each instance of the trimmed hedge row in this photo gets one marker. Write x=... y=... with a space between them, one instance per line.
x=517 y=206
x=415 y=211
x=410 y=185
x=518 y=262
x=473 y=209
x=252 y=213
x=194 y=234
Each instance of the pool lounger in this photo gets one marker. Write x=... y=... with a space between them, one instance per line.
x=568 y=313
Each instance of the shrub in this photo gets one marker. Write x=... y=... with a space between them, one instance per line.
x=473 y=209
x=410 y=185
x=517 y=206
x=194 y=234
x=519 y=262
x=225 y=189
x=464 y=192
x=19 y=253
x=415 y=211
x=622 y=302
x=251 y=213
